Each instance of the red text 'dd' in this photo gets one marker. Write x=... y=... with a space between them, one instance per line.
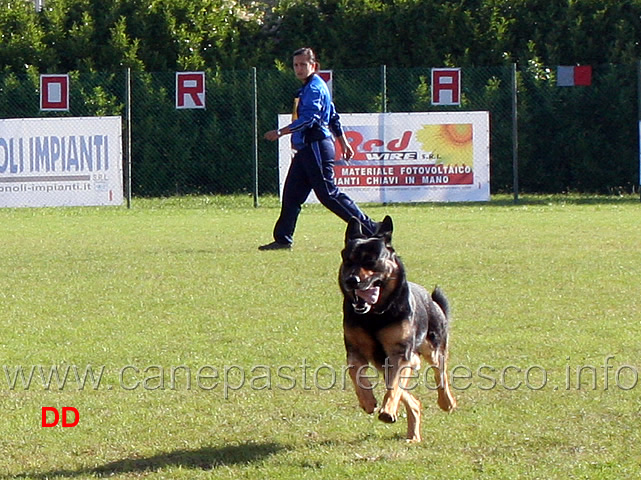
x=51 y=416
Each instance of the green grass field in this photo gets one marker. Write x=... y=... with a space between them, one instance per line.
x=211 y=359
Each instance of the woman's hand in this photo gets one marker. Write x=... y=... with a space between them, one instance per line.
x=272 y=135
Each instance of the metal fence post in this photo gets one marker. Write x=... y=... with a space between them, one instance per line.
x=384 y=110
x=384 y=88
x=255 y=106
x=639 y=119
x=515 y=135
x=128 y=136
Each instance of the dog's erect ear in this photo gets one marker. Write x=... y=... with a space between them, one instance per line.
x=354 y=230
x=385 y=229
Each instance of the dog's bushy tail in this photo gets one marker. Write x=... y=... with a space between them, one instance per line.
x=441 y=300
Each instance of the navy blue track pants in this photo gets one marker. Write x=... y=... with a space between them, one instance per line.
x=312 y=168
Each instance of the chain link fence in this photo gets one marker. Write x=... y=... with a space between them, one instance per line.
x=569 y=138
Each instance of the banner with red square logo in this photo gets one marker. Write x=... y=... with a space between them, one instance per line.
x=54 y=92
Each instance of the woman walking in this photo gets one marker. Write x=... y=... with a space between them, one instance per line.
x=312 y=167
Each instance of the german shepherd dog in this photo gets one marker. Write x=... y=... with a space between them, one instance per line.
x=388 y=322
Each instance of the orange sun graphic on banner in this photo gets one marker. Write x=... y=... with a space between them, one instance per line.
x=448 y=143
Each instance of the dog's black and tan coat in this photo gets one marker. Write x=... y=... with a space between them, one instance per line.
x=388 y=322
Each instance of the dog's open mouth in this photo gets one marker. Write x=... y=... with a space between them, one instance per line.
x=365 y=298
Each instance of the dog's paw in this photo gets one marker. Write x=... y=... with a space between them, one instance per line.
x=386 y=417
x=367 y=401
x=446 y=401
x=369 y=409
x=415 y=438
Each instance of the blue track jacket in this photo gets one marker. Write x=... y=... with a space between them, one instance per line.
x=316 y=116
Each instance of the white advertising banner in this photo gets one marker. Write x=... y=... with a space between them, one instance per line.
x=70 y=161
x=409 y=157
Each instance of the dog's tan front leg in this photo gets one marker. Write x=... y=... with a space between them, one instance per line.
x=358 y=368
x=397 y=373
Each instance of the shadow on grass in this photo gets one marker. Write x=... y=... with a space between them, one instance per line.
x=207 y=458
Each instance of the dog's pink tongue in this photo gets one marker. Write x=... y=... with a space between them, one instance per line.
x=370 y=295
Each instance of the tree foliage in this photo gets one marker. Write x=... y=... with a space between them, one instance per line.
x=96 y=40
x=165 y=35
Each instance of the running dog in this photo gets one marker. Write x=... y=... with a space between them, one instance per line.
x=388 y=322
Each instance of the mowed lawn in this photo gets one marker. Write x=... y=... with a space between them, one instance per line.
x=190 y=354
